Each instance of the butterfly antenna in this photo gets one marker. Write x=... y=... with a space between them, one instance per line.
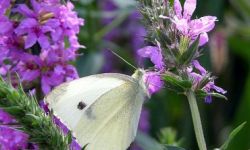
x=123 y=59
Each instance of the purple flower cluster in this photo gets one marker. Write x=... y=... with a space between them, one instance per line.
x=38 y=40
x=189 y=30
x=40 y=45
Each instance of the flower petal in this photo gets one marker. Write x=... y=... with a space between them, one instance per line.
x=45 y=85
x=147 y=51
x=154 y=53
x=153 y=81
x=189 y=8
x=30 y=40
x=43 y=41
x=35 y=5
x=204 y=24
x=24 y=10
x=178 y=8
x=219 y=89
x=29 y=23
x=201 y=69
x=203 y=39
x=30 y=75
x=5 y=26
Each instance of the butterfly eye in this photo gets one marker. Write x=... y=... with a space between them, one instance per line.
x=81 y=105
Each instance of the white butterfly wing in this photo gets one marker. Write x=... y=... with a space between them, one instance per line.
x=110 y=119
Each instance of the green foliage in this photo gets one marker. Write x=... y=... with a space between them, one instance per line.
x=242 y=140
x=189 y=54
x=232 y=136
x=168 y=136
x=177 y=84
x=31 y=117
x=202 y=94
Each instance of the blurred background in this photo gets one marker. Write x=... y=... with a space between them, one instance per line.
x=115 y=25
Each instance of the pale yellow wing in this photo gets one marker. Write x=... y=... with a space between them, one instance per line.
x=109 y=121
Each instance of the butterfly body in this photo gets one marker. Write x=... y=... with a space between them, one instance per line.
x=110 y=106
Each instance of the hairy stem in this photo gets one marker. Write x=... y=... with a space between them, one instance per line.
x=31 y=118
x=196 y=120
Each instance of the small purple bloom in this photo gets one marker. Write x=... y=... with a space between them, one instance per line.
x=31 y=26
x=153 y=81
x=197 y=78
x=155 y=55
x=201 y=69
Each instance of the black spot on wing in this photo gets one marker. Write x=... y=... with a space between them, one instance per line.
x=81 y=105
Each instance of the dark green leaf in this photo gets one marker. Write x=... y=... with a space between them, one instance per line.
x=184 y=84
x=202 y=94
x=14 y=110
x=232 y=136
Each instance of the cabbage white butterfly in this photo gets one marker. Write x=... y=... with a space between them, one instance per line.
x=101 y=110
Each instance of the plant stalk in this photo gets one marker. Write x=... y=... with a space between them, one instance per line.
x=196 y=120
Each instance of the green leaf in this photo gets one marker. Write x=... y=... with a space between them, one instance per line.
x=173 y=148
x=202 y=94
x=175 y=81
x=218 y=95
x=14 y=110
x=69 y=137
x=190 y=53
x=147 y=143
x=232 y=136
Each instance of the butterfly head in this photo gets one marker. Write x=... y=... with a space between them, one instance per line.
x=139 y=76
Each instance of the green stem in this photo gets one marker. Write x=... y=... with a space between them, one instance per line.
x=196 y=120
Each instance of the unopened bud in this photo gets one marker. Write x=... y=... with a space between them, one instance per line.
x=45 y=17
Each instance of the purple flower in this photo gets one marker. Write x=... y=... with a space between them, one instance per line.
x=188 y=27
x=155 y=55
x=5 y=25
x=11 y=139
x=33 y=25
x=153 y=81
x=197 y=78
x=5 y=118
x=50 y=66
x=4 y=4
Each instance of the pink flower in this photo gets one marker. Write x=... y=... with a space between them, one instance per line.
x=153 y=82
x=188 y=27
